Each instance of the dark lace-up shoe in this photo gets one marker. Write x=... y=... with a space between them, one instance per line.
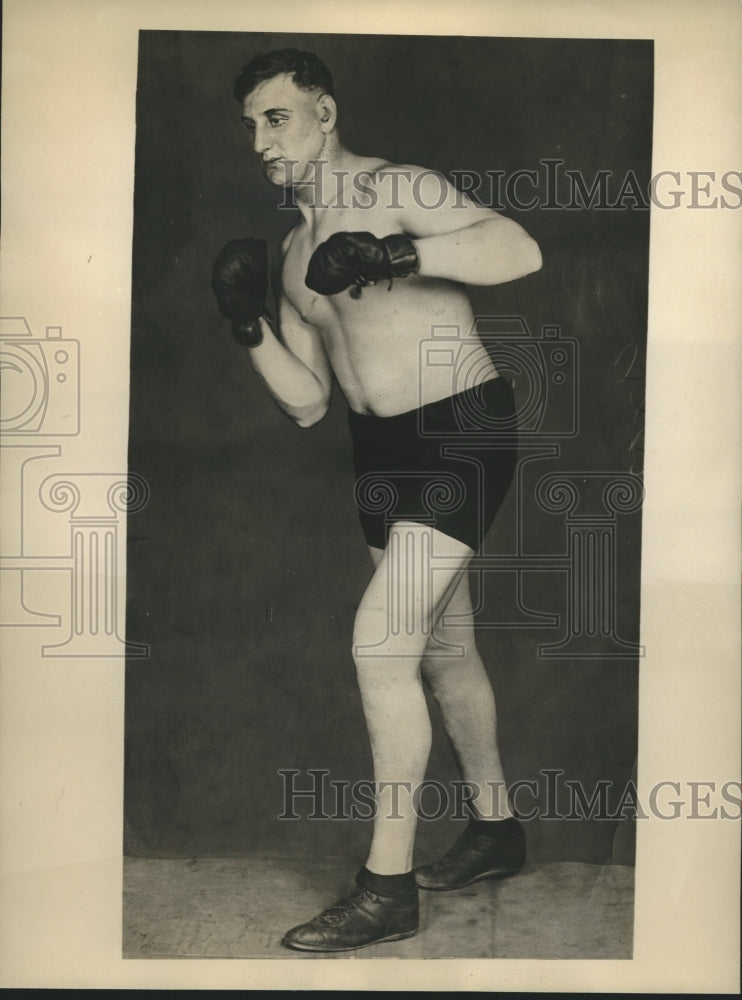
x=362 y=919
x=477 y=856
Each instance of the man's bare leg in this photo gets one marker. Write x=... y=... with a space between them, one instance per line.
x=493 y=843
x=413 y=579
x=463 y=690
x=460 y=685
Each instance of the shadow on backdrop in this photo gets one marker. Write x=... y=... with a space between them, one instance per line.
x=245 y=568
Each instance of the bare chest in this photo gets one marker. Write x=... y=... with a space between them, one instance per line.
x=319 y=310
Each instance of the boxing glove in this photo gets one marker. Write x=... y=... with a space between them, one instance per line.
x=360 y=259
x=239 y=279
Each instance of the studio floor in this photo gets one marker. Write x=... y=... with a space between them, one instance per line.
x=241 y=908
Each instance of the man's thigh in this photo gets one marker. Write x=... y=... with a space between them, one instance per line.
x=414 y=580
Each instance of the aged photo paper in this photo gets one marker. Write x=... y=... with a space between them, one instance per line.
x=89 y=752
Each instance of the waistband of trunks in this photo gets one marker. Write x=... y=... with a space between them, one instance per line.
x=494 y=396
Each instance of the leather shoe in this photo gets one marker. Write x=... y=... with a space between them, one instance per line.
x=476 y=856
x=362 y=919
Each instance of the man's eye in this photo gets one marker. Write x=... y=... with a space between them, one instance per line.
x=276 y=122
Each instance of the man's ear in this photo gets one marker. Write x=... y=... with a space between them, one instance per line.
x=328 y=112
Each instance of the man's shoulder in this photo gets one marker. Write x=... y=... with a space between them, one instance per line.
x=376 y=168
x=405 y=168
x=404 y=171
x=405 y=185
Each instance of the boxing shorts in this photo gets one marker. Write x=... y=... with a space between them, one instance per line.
x=448 y=464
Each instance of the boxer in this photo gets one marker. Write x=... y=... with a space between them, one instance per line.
x=364 y=274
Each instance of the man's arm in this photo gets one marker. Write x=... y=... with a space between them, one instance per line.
x=294 y=367
x=456 y=238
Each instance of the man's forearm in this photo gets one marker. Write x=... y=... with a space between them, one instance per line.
x=489 y=252
x=296 y=389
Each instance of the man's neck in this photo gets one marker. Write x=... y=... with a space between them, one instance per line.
x=327 y=188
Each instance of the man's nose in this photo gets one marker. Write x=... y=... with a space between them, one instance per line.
x=261 y=140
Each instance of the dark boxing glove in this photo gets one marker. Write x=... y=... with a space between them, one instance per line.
x=239 y=279
x=360 y=259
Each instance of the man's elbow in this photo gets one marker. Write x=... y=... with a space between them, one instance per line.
x=532 y=259
x=310 y=416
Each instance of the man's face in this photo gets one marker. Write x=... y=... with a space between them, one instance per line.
x=285 y=127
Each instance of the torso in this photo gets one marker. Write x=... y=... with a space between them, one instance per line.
x=381 y=345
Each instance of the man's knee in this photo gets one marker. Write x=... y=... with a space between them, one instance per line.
x=449 y=659
x=379 y=638
x=440 y=670
x=449 y=646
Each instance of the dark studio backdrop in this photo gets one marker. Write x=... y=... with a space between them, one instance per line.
x=246 y=566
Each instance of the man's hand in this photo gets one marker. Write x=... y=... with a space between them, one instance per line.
x=359 y=259
x=239 y=280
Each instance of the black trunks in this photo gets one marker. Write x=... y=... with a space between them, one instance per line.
x=447 y=464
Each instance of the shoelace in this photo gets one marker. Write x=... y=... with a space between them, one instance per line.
x=334 y=914
x=359 y=283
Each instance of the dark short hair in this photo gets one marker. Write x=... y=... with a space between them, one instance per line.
x=307 y=71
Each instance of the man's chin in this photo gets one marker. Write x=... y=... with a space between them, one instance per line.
x=289 y=175
x=276 y=173
x=277 y=182
x=286 y=173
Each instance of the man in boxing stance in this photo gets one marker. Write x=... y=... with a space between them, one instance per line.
x=365 y=274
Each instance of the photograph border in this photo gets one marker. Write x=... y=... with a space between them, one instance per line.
x=69 y=84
